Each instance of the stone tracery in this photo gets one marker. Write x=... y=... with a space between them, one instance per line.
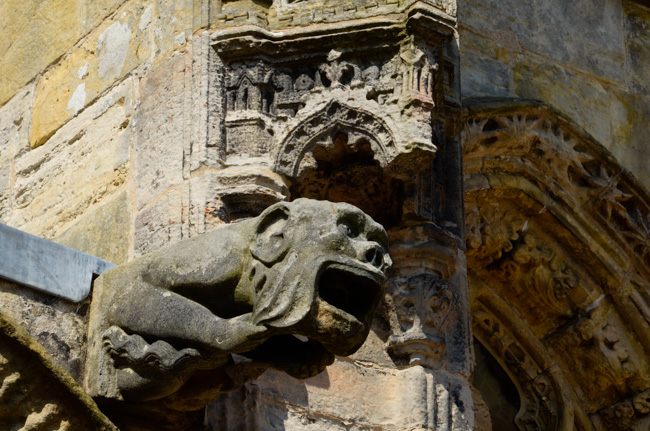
x=540 y=249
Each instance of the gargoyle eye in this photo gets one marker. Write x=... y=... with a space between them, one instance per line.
x=348 y=229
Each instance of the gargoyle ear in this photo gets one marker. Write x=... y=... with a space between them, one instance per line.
x=269 y=244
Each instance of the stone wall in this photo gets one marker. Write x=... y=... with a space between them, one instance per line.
x=95 y=116
x=111 y=142
x=587 y=59
x=70 y=91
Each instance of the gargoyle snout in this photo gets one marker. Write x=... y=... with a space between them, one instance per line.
x=374 y=255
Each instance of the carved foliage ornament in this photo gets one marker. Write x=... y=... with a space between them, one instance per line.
x=596 y=216
x=424 y=308
x=566 y=163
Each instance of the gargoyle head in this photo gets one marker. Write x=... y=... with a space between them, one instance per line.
x=319 y=270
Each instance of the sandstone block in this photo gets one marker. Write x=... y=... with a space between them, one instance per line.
x=95 y=11
x=36 y=392
x=111 y=51
x=631 y=130
x=91 y=163
x=105 y=233
x=5 y=192
x=160 y=224
x=583 y=34
x=160 y=122
x=172 y=25
x=58 y=325
x=567 y=92
x=487 y=45
x=231 y=194
x=485 y=76
x=348 y=396
x=35 y=35
x=15 y=118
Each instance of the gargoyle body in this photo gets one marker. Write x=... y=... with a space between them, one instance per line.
x=194 y=319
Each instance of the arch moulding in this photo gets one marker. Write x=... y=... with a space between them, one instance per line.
x=558 y=257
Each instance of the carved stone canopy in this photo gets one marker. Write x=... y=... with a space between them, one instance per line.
x=363 y=104
x=558 y=266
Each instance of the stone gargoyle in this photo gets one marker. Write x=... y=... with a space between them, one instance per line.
x=287 y=290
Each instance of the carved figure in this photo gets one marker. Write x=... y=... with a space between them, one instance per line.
x=201 y=317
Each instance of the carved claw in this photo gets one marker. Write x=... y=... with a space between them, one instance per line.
x=134 y=352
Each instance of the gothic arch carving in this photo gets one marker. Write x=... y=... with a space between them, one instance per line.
x=296 y=150
x=560 y=232
x=546 y=400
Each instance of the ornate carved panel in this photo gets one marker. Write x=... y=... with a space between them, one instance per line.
x=425 y=306
x=382 y=91
x=557 y=230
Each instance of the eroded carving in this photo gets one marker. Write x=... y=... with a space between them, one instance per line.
x=35 y=393
x=491 y=231
x=606 y=354
x=540 y=403
x=574 y=259
x=201 y=317
x=424 y=308
x=566 y=164
x=629 y=415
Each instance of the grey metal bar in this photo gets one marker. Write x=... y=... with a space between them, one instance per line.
x=47 y=266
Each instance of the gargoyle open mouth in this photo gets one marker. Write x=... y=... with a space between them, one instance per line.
x=351 y=289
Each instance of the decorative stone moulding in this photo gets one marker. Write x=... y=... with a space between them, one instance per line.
x=382 y=86
x=558 y=262
x=427 y=311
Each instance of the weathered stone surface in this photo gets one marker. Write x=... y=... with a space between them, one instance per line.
x=5 y=192
x=631 y=132
x=160 y=124
x=279 y=15
x=96 y=11
x=15 y=118
x=161 y=223
x=172 y=25
x=311 y=268
x=637 y=32
x=83 y=163
x=605 y=363
x=349 y=396
x=555 y=228
x=108 y=54
x=105 y=233
x=584 y=35
x=35 y=35
x=227 y=195
x=58 y=325
x=36 y=393
x=485 y=76
x=567 y=92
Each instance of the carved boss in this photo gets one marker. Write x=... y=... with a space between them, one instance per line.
x=200 y=317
